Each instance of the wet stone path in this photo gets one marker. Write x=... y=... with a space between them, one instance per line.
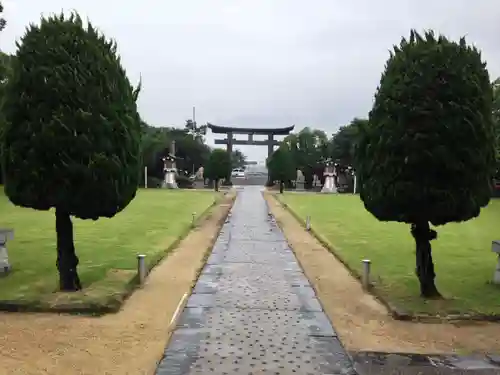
x=252 y=310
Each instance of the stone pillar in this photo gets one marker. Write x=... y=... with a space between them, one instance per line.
x=270 y=149
x=230 y=152
x=495 y=247
x=270 y=144
x=496 y=276
x=5 y=234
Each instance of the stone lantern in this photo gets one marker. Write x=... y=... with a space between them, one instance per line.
x=169 y=171
x=330 y=173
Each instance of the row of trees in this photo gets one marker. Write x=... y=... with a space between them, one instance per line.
x=308 y=150
x=428 y=152
x=71 y=137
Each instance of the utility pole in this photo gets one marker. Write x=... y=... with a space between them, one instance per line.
x=194 y=124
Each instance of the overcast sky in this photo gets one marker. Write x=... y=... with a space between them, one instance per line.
x=263 y=63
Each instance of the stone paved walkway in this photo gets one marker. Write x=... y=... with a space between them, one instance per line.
x=253 y=311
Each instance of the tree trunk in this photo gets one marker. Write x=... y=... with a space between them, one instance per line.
x=67 y=261
x=425 y=267
x=282 y=185
x=216 y=185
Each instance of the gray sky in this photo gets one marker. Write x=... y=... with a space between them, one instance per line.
x=263 y=63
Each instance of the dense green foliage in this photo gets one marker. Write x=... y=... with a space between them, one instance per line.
x=238 y=159
x=281 y=165
x=218 y=166
x=344 y=142
x=496 y=113
x=427 y=153
x=5 y=72
x=191 y=149
x=72 y=138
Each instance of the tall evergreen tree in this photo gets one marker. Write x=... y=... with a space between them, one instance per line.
x=72 y=138
x=427 y=153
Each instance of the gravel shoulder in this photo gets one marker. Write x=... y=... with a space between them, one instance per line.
x=131 y=341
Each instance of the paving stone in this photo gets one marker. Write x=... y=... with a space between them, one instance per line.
x=251 y=297
x=254 y=321
x=242 y=251
x=379 y=363
x=494 y=359
x=209 y=283
x=248 y=270
x=244 y=342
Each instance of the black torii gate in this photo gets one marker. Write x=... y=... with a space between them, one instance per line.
x=230 y=131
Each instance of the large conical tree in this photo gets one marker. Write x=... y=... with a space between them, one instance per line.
x=72 y=140
x=427 y=154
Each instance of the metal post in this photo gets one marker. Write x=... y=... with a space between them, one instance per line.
x=355 y=184
x=308 y=223
x=366 y=274
x=146 y=177
x=141 y=268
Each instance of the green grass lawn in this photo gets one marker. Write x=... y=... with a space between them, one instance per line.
x=107 y=248
x=462 y=253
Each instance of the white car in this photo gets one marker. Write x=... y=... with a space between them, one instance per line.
x=238 y=173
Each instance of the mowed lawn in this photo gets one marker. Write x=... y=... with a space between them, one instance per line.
x=462 y=253
x=151 y=223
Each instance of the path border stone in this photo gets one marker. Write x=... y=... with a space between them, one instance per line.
x=367 y=362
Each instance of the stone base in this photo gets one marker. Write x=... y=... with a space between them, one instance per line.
x=329 y=186
x=170 y=180
x=496 y=275
x=170 y=185
x=199 y=184
x=4 y=261
x=5 y=271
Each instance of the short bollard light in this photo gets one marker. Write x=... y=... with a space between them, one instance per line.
x=366 y=274
x=141 y=268
x=308 y=223
x=193 y=219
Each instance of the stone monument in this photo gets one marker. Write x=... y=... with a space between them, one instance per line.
x=169 y=168
x=5 y=235
x=330 y=173
x=299 y=181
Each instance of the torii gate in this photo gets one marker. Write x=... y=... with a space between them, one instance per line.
x=229 y=141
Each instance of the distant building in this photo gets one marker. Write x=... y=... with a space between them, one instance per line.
x=256 y=169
